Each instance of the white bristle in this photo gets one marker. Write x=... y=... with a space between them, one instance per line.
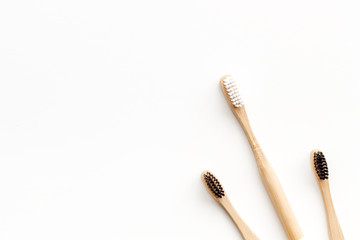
x=233 y=91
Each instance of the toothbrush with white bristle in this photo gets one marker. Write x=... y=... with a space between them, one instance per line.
x=268 y=175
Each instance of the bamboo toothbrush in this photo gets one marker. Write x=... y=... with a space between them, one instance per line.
x=320 y=168
x=268 y=175
x=214 y=187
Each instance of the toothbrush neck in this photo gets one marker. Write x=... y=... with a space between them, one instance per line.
x=244 y=121
x=251 y=137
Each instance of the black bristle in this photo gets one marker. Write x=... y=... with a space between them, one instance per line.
x=214 y=185
x=321 y=165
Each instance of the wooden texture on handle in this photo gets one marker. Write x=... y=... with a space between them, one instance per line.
x=278 y=197
x=335 y=232
x=271 y=182
x=245 y=231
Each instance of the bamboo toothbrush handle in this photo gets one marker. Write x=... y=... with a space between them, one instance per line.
x=270 y=180
x=335 y=232
x=245 y=231
x=277 y=196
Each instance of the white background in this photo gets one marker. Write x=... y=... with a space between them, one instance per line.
x=110 y=110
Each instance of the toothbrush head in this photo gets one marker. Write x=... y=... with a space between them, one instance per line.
x=320 y=165
x=213 y=185
x=231 y=91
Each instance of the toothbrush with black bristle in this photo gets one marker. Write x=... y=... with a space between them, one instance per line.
x=319 y=165
x=268 y=175
x=214 y=187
